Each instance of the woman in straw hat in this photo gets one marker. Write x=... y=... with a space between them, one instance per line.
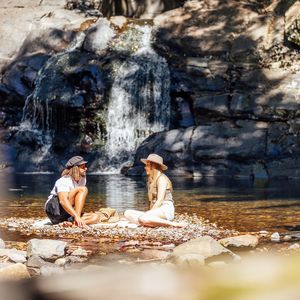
x=161 y=212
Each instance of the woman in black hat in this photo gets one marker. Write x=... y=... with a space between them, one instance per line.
x=161 y=212
x=67 y=198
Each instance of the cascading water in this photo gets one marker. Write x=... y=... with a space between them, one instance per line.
x=37 y=112
x=139 y=102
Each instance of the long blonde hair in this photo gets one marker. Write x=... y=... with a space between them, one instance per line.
x=73 y=172
x=151 y=181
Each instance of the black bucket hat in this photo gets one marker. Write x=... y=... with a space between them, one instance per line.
x=75 y=161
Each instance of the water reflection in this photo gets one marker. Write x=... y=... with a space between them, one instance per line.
x=238 y=204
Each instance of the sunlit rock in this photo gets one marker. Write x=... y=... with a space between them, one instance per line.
x=205 y=246
x=241 y=241
x=46 y=249
x=14 y=272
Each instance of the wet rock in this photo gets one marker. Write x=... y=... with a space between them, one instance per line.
x=46 y=249
x=205 y=246
x=49 y=270
x=241 y=241
x=14 y=272
x=14 y=255
x=275 y=237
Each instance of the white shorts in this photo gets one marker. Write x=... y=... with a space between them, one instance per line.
x=167 y=209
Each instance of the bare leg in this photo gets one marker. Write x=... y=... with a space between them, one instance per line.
x=133 y=215
x=155 y=218
x=77 y=198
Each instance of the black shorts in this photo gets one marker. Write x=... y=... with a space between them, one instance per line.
x=56 y=212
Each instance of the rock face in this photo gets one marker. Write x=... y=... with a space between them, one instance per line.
x=235 y=96
x=242 y=87
x=46 y=249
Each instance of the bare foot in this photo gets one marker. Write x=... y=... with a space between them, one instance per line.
x=66 y=224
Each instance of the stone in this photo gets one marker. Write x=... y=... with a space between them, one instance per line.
x=294 y=246
x=61 y=261
x=35 y=261
x=118 y=21
x=75 y=259
x=190 y=260
x=205 y=246
x=275 y=237
x=217 y=103
x=14 y=255
x=14 y=272
x=241 y=241
x=287 y=238
x=5 y=264
x=49 y=270
x=2 y=244
x=79 y=252
x=46 y=249
x=154 y=254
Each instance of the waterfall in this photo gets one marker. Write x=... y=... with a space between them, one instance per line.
x=38 y=113
x=139 y=103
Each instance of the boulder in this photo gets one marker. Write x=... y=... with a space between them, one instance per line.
x=241 y=241
x=14 y=272
x=49 y=270
x=46 y=249
x=204 y=248
x=190 y=260
x=14 y=255
x=35 y=261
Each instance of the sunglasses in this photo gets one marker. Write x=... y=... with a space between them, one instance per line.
x=84 y=166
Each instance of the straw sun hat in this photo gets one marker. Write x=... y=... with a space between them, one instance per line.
x=155 y=159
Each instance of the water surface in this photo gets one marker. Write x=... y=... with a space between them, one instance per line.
x=243 y=205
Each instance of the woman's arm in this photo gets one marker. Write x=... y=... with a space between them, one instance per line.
x=162 y=185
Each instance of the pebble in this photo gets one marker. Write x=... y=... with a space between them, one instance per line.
x=294 y=246
x=275 y=237
x=287 y=238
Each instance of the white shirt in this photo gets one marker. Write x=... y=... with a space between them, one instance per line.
x=65 y=184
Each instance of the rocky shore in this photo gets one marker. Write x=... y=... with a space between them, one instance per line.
x=50 y=249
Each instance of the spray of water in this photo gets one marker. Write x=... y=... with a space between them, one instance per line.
x=139 y=102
